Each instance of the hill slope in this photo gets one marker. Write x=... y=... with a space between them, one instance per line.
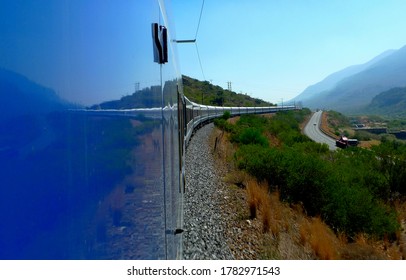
x=193 y=89
x=208 y=94
x=390 y=103
x=353 y=93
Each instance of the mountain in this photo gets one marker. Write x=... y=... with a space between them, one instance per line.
x=391 y=103
x=19 y=95
x=353 y=92
x=331 y=81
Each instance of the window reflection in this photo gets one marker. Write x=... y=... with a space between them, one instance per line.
x=89 y=143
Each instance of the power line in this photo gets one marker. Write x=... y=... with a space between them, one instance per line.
x=200 y=61
x=194 y=40
x=200 y=17
x=197 y=28
x=197 y=49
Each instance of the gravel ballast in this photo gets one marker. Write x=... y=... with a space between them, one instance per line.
x=204 y=224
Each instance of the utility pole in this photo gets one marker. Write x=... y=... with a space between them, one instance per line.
x=229 y=86
x=136 y=86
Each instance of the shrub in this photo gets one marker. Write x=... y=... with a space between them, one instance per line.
x=311 y=148
x=290 y=137
x=252 y=121
x=353 y=209
x=252 y=135
x=226 y=115
x=305 y=180
x=262 y=162
x=361 y=167
x=362 y=135
x=392 y=164
x=346 y=188
x=222 y=124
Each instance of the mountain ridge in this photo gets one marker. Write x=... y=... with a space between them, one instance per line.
x=353 y=93
x=390 y=103
x=331 y=80
x=20 y=95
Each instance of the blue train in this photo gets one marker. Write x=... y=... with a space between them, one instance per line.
x=93 y=131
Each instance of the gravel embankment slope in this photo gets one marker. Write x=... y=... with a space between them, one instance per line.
x=204 y=223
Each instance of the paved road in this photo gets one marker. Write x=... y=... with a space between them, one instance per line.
x=312 y=130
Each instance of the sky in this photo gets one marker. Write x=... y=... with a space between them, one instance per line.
x=93 y=51
x=274 y=49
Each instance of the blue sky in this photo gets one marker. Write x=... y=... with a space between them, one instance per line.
x=92 y=51
x=274 y=49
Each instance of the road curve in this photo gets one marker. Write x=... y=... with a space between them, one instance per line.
x=312 y=130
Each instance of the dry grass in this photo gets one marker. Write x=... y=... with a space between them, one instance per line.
x=223 y=148
x=272 y=213
x=268 y=222
x=273 y=140
x=233 y=120
x=401 y=209
x=369 y=144
x=255 y=197
x=325 y=126
x=321 y=239
x=393 y=251
x=265 y=206
x=312 y=238
x=253 y=202
x=236 y=177
x=277 y=222
x=365 y=247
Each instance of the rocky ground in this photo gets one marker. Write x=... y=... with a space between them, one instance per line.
x=204 y=224
x=215 y=217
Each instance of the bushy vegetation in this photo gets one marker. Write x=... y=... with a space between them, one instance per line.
x=203 y=92
x=351 y=189
x=222 y=122
x=392 y=164
x=338 y=122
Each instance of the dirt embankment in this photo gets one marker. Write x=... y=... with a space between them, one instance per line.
x=325 y=127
